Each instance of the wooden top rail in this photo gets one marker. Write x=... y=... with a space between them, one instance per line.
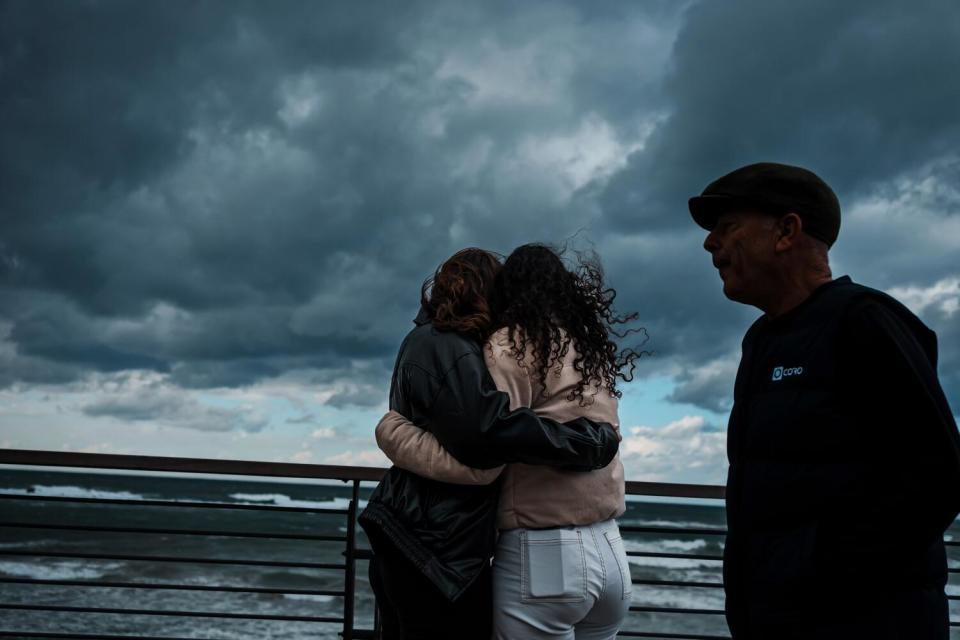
x=280 y=470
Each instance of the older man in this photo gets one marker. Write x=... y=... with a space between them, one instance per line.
x=844 y=455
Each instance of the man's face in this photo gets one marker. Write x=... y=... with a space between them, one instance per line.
x=742 y=246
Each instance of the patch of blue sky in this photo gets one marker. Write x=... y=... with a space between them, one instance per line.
x=645 y=402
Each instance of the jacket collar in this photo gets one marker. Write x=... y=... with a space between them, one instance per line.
x=786 y=318
x=423 y=317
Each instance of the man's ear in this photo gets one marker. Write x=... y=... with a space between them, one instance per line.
x=789 y=228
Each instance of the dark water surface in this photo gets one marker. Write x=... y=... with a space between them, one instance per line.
x=143 y=487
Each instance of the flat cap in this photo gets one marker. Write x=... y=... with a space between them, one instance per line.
x=776 y=189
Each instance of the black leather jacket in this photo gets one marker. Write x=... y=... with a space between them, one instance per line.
x=441 y=383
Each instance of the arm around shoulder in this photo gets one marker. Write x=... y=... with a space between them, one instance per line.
x=472 y=420
x=416 y=450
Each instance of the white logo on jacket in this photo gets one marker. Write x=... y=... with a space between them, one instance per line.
x=779 y=373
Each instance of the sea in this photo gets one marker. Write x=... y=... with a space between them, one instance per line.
x=280 y=587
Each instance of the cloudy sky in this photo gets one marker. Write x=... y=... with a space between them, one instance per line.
x=215 y=216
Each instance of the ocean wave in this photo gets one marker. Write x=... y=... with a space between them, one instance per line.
x=282 y=500
x=65 y=570
x=58 y=491
x=673 y=524
x=299 y=596
x=699 y=574
x=673 y=563
x=26 y=544
x=678 y=598
x=278 y=499
x=681 y=545
x=668 y=545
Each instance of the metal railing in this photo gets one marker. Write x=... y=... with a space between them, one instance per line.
x=348 y=542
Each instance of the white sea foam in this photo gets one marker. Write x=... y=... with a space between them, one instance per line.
x=300 y=596
x=282 y=500
x=278 y=499
x=26 y=544
x=73 y=492
x=680 y=545
x=668 y=546
x=66 y=570
x=678 y=598
x=640 y=522
x=672 y=563
x=665 y=545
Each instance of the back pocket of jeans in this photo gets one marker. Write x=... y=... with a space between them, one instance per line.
x=553 y=566
x=620 y=555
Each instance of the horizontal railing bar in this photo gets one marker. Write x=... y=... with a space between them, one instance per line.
x=281 y=469
x=135 y=558
x=172 y=503
x=172 y=587
x=952 y=543
x=681 y=556
x=188 y=465
x=703 y=532
x=679 y=583
x=363 y=554
x=709 y=612
x=675 y=490
x=153 y=612
x=183 y=532
x=669 y=636
x=85 y=636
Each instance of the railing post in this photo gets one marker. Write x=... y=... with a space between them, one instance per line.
x=350 y=579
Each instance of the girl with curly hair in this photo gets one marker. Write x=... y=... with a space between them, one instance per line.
x=560 y=569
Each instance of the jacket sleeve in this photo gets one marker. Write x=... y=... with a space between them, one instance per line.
x=911 y=411
x=472 y=420
x=414 y=449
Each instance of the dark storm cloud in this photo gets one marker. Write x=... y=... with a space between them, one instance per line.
x=222 y=193
x=119 y=114
x=864 y=94
x=859 y=92
x=948 y=330
x=156 y=404
x=225 y=192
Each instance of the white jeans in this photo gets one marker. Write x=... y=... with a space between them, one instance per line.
x=570 y=583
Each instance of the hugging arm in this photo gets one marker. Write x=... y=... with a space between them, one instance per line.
x=414 y=449
x=472 y=420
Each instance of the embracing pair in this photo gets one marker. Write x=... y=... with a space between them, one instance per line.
x=510 y=364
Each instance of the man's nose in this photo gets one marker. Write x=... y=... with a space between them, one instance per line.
x=710 y=243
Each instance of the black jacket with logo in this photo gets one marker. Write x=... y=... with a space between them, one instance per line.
x=441 y=384
x=844 y=466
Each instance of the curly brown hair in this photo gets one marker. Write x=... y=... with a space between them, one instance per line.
x=547 y=307
x=457 y=295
